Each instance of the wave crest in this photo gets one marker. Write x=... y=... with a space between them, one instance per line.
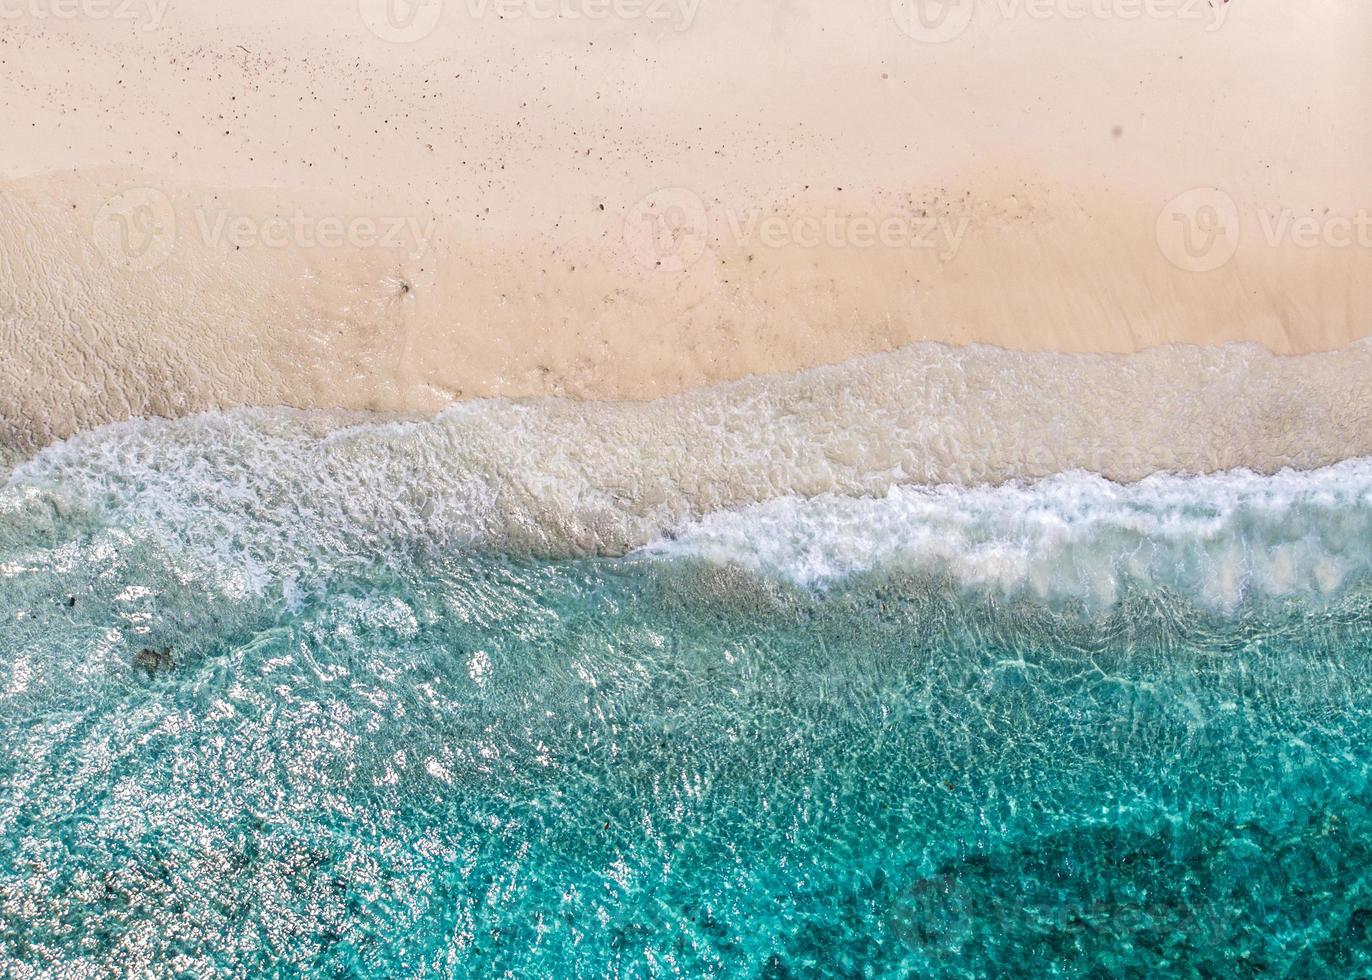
x=276 y=492
x=1218 y=539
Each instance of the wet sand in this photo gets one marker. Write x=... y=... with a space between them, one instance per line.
x=204 y=208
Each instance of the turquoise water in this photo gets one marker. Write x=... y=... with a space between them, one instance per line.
x=392 y=757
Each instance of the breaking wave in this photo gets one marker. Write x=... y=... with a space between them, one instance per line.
x=1218 y=539
x=808 y=476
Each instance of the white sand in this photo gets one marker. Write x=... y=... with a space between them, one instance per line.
x=626 y=206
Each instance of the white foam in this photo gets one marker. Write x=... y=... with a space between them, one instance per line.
x=1218 y=538
x=270 y=496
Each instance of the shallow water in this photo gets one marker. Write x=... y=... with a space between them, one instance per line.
x=372 y=750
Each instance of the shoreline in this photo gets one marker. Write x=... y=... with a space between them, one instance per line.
x=283 y=206
x=256 y=297
x=556 y=477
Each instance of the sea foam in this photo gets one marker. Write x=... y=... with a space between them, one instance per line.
x=824 y=460
x=1217 y=539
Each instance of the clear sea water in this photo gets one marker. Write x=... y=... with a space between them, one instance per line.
x=1074 y=729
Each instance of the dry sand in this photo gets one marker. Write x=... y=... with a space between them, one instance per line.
x=205 y=205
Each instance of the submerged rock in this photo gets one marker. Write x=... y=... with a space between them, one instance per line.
x=153 y=661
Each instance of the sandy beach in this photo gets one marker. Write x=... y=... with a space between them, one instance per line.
x=685 y=488
x=265 y=205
